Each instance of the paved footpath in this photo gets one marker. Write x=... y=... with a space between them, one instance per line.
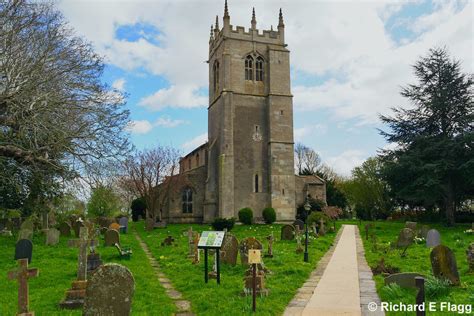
x=346 y=285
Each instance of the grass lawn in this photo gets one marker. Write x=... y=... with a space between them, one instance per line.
x=57 y=269
x=418 y=260
x=289 y=271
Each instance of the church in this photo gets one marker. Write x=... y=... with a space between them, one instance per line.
x=248 y=160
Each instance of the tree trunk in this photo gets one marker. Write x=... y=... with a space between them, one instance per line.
x=450 y=204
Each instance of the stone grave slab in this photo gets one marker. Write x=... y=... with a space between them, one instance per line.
x=405 y=280
x=470 y=257
x=288 y=232
x=443 y=264
x=109 y=291
x=405 y=238
x=411 y=225
x=24 y=249
x=229 y=249
x=123 y=222
x=245 y=246
x=112 y=237
x=27 y=224
x=52 y=237
x=25 y=234
x=433 y=238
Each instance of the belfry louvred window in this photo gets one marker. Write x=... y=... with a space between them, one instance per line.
x=249 y=68
x=216 y=76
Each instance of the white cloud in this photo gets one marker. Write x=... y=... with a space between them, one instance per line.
x=174 y=96
x=168 y=122
x=119 y=84
x=195 y=142
x=310 y=130
x=346 y=161
x=139 y=127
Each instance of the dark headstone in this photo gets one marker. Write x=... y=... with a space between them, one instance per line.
x=299 y=223
x=245 y=246
x=424 y=231
x=112 y=237
x=52 y=236
x=288 y=232
x=65 y=229
x=229 y=249
x=443 y=264
x=109 y=291
x=433 y=238
x=93 y=262
x=24 y=249
x=405 y=280
x=405 y=238
x=124 y=224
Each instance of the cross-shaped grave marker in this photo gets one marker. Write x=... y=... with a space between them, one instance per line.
x=82 y=243
x=22 y=274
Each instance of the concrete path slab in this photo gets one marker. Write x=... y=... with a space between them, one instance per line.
x=337 y=292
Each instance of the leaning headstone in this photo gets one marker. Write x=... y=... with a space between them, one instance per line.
x=245 y=246
x=405 y=280
x=299 y=223
x=288 y=232
x=123 y=222
x=229 y=249
x=65 y=229
x=470 y=257
x=22 y=274
x=109 y=291
x=112 y=237
x=433 y=238
x=25 y=234
x=411 y=225
x=405 y=238
x=443 y=264
x=24 y=249
x=52 y=236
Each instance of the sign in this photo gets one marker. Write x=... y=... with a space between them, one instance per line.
x=254 y=256
x=211 y=239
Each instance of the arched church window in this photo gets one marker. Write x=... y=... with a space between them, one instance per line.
x=216 y=76
x=249 y=68
x=187 y=200
x=256 y=183
x=259 y=69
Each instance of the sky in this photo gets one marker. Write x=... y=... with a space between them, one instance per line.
x=349 y=60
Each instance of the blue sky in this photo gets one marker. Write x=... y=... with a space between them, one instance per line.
x=349 y=59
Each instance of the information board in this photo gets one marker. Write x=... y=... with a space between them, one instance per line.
x=211 y=239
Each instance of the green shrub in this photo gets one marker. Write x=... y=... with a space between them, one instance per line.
x=269 y=215
x=138 y=208
x=315 y=217
x=393 y=292
x=221 y=223
x=103 y=202
x=246 y=216
x=14 y=214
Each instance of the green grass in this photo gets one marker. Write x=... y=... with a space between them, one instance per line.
x=57 y=269
x=289 y=271
x=417 y=259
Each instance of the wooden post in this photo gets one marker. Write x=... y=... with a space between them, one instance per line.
x=254 y=287
x=22 y=274
x=218 y=266
x=420 y=297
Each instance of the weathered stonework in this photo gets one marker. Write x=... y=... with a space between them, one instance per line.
x=248 y=160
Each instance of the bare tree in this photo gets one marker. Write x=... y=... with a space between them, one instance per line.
x=153 y=175
x=307 y=161
x=299 y=157
x=54 y=111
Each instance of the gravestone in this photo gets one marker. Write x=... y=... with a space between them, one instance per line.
x=77 y=226
x=229 y=249
x=190 y=242
x=52 y=237
x=93 y=261
x=270 y=239
x=424 y=231
x=65 y=229
x=299 y=223
x=196 y=249
x=470 y=257
x=443 y=264
x=25 y=234
x=123 y=224
x=149 y=224
x=24 y=249
x=433 y=238
x=322 y=229
x=28 y=224
x=245 y=246
x=52 y=219
x=288 y=232
x=112 y=237
x=411 y=225
x=314 y=229
x=22 y=274
x=405 y=280
x=298 y=237
x=405 y=238
x=115 y=226
x=168 y=241
x=109 y=291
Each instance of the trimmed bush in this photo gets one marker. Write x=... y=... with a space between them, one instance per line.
x=221 y=223
x=246 y=216
x=269 y=215
x=315 y=217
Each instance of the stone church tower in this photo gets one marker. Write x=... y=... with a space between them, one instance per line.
x=250 y=149
x=248 y=160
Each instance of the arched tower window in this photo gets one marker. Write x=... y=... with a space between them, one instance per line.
x=259 y=69
x=256 y=183
x=187 y=200
x=249 y=68
x=216 y=76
